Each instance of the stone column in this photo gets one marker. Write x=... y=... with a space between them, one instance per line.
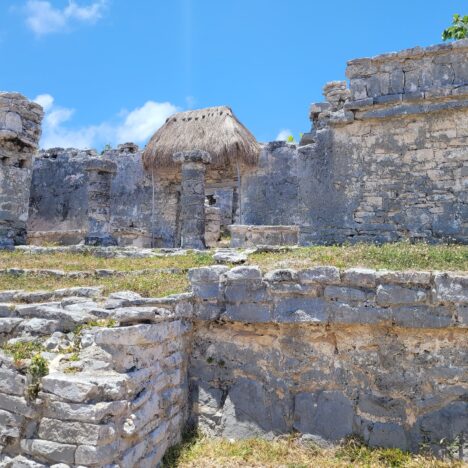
x=100 y=173
x=192 y=199
x=20 y=130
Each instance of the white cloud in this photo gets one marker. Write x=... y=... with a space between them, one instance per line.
x=141 y=123
x=283 y=135
x=135 y=126
x=42 y=18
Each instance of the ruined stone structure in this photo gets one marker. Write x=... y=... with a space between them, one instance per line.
x=20 y=129
x=321 y=351
x=100 y=172
x=192 y=199
x=386 y=160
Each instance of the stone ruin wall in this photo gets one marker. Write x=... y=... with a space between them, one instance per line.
x=330 y=353
x=127 y=403
x=58 y=203
x=386 y=159
x=20 y=130
x=321 y=351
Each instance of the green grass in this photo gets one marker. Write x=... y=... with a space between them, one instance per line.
x=398 y=256
x=87 y=261
x=290 y=452
x=148 y=285
x=22 y=350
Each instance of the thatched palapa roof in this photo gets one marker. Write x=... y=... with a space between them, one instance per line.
x=215 y=129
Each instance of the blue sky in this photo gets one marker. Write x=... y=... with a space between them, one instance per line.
x=109 y=71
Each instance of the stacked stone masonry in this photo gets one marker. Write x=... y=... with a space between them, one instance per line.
x=20 y=130
x=385 y=160
x=383 y=352
x=126 y=401
x=379 y=354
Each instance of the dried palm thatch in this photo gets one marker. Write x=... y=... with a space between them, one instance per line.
x=215 y=129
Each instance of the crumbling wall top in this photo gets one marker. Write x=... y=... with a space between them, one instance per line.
x=20 y=120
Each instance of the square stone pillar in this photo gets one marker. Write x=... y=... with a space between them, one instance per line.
x=100 y=173
x=20 y=130
x=192 y=198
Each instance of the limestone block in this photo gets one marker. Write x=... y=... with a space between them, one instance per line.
x=345 y=313
x=139 y=334
x=363 y=277
x=16 y=405
x=206 y=291
x=450 y=287
x=52 y=451
x=388 y=435
x=388 y=295
x=422 y=317
x=206 y=274
x=344 y=294
x=229 y=256
x=12 y=382
x=329 y=414
x=37 y=326
x=295 y=289
x=7 y=310
x=254 y=290
x=462 y=315
x=78 y=433
x=79 y=388
x=281 y=275
x=321 y=274
x=251 y=313
x=10 y=425
x=207 y=311
x=422 y=278
x=88 y=413
x=92 y=455
x=243 y=273
x=7 y=325
x=289 y=310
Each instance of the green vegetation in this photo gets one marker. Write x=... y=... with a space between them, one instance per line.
x=148 y=285
x=398 y=256
x=290 y=452
x=88 y=262
x=38 y=368
x=458 y=30
x=22 y=350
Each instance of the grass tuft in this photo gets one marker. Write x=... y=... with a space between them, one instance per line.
x=197 y=450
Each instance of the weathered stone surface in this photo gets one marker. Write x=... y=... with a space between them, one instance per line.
x=388 y=435
x=451 y=288
x=78 y=433
x=328 y=414
x=249 y=312
x=394 y=295
x=20 y=130
x=11 y=382
x=321 y=274
x=243 y=273
x=363 y=277
x=52 y=451
x=292 y=310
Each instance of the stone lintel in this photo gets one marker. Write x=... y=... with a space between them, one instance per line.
x=194 y=156
x=100 y=165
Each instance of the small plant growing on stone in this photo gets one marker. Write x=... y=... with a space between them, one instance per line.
x=36 y=370
x=458 y=30
x=107 y=147
x=22 y=350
